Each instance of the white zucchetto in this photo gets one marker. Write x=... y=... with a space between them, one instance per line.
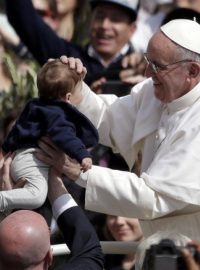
x=185 y=33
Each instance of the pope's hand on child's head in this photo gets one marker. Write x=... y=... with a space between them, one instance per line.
x=74 y=63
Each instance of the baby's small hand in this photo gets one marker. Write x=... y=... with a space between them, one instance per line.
x=86 y=164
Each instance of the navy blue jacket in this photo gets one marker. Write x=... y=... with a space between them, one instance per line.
x=68 y=128
x=44 y=43
x=81 y=239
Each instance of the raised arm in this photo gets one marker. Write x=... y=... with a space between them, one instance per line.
x=78 y=233
x=40 y=39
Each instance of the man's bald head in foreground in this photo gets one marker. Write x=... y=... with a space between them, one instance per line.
x=25 y=242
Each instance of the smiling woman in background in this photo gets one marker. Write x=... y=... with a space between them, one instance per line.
x=121 y=229
x=70 y=17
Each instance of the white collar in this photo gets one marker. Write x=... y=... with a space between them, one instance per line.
x=93 y=53
x=185 y=101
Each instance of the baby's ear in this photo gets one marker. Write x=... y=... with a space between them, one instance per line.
x=68 y=97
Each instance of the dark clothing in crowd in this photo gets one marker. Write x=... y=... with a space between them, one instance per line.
x=82 y=241
x=113 y=262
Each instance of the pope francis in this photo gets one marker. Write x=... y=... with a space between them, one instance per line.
x=160 y=118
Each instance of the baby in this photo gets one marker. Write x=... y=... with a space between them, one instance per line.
x=53 y=114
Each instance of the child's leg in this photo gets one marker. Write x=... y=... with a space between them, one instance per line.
x=34 y=193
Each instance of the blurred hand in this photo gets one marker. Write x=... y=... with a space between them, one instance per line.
x=5 y=179
x=9 y=37
x=134 y=79
x=6 y=182
x=56 y=187
x=55 y=157
x=134 y=67
x=189 y=260
x=135 y=61
x=96 y=85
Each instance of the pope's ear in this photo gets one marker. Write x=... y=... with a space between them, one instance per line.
x=194 y=69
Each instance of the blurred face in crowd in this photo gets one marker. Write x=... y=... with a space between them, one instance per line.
x=110 y=30
x=43 y=9
x=40 y=4
x=193 y=4
x=124 y=229
x=148 y=5
x=65 y=6
x=169 y=82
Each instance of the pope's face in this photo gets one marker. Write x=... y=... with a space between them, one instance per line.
x=172 y=82
x=124 y=229
x=110 y=30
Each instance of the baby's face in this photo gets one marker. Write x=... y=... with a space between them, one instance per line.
x=76 y=95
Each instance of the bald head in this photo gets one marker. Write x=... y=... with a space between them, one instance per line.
x=25 y=241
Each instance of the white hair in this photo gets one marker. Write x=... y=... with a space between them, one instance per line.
x=187 y=54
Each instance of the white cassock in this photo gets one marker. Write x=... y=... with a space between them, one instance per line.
x=166 y=196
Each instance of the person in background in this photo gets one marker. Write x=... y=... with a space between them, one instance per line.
x=121 y=229
x=172 y=242
x=53 y=114
x=182 y=13
x=17 y=74
x=193 y=4
x=10 y=37
x=111 y=26
x=150 y=16
x=71 y=17
x=43 y=9
x=25 y=236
